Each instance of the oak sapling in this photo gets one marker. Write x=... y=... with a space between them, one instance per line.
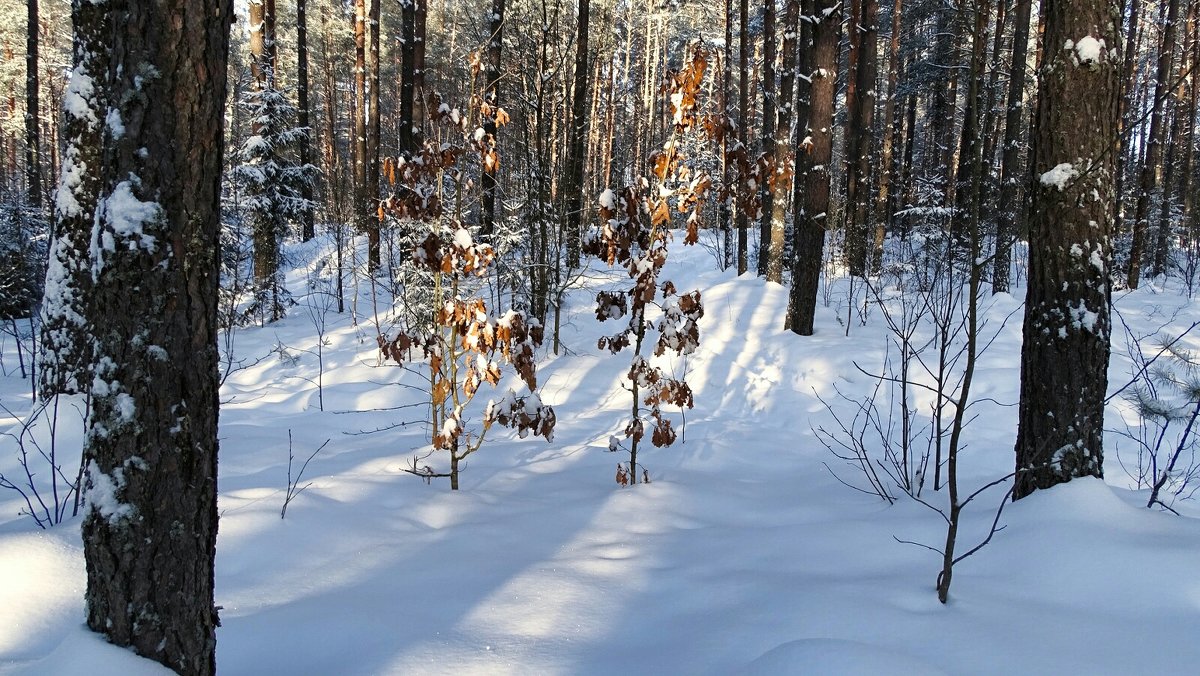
x=465 y=344
x=634 y=234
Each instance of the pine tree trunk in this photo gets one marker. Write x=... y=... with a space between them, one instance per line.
x=1152 y=166
x=945 y=96
x=408 y=50
x=744 y=119
x=886 y=164
x=768 y=131
x=867 y=73
x=1064 y=357
x=307 y=218
x=576 y=160
x=970 y=155
x=1010 y=183
x=1129 y=92
x=33 y=173
x=487 y=220
x=150 y=527
x=264 y=232
x=65 y=366
x=812 y=165
x=783 y=148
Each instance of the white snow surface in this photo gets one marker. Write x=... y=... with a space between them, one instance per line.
x=743 y=556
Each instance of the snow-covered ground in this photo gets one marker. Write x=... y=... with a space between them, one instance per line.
x=745 y=554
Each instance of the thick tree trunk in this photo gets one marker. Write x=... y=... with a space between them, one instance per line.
x=1010 y=183
x=812 y=163
x=150 y=529
x=1064 y=357
x=33 y=173
x=1152 y=166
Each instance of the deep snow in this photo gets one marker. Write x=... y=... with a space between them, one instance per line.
x=745 y=555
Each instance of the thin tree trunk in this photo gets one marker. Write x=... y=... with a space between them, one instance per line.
x=371 y=184
x=33 y=174
x=1011 y=158
x=783 y=148
x=492 y=97
x=886 y=169
x=576 y=161
x=1152 y=166
x=307 y=218
x=768 y=131
x=744 y=119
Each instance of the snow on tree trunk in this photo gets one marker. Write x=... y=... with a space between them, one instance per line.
x=150 y=525
x=66 y=337
x=1064 y=358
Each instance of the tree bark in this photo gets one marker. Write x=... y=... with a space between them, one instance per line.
x=1064 y=357
x=858 y=180
x=1152 y=166
x=487 y=220
x=33 y=173
x=784 y=151
x=307 y=218
x=768 y=130
x=1010 y=184
x=812 y=164
x=970 y=152
x=576 y=161
x=744 y=119
x=886 y=164
x=149 y=532
x=65 y=366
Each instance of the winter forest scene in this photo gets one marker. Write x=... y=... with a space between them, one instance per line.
x=537 y=337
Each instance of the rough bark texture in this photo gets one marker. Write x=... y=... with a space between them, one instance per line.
x=150 y=528
x=1064 y=358
x=812 y=163
x=1010 y=163
x=66 y=337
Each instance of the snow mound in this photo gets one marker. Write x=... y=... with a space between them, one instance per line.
x=837 y=657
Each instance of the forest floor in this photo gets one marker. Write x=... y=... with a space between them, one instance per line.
x=744 y=555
